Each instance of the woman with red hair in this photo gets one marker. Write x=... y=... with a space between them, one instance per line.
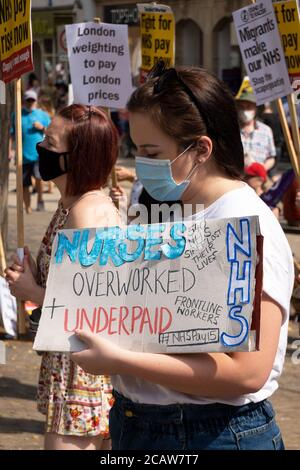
x=77 y=154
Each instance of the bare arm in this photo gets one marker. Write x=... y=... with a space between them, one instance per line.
x=93 y=211
x=10 y=147
x=212 y=375
x=222 y=375
x=23 y=284
x=269 y=163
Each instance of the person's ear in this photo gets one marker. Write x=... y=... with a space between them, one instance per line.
x=203 y=147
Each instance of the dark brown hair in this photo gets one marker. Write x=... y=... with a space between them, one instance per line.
x=177 y=115
x=93 y=143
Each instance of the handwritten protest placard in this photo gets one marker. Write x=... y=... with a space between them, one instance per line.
x=15 y=39
x=261 y=50
x=179 y=287
x=157 y=35
x=287 y=16
x=99 y=64
x=8 y=308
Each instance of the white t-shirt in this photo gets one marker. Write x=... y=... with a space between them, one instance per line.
x=278 y=280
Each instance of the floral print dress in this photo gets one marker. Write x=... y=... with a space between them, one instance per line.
x=74 y=402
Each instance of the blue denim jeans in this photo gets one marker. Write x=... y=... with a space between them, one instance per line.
x=136 y=426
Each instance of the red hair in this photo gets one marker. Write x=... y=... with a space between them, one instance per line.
x=93 y=143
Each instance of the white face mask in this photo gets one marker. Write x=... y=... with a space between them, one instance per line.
x=156 y=176
x=246 y=116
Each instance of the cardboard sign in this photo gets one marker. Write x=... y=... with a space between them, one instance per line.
x=296 y=93
x=157 y=35
x=287 y=16
x=8 y=308
x=99 y=64
x=166 y=288
x=15 y=39
x=261 y=50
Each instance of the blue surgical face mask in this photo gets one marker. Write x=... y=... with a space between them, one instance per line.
x=156 y=177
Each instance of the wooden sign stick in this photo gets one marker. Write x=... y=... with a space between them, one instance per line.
x=2 y=256
x=288 y=139
x=20 y=215
x=294 y=126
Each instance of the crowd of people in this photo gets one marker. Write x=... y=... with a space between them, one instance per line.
x=204 y=148
x=261 y=136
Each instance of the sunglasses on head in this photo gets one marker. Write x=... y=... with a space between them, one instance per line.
x=164 y=75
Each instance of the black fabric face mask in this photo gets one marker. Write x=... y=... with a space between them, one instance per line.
x=49 y=166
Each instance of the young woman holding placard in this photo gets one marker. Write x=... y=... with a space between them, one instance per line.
x=185 y=127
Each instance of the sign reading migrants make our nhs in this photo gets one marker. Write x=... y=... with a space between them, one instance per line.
x=99 y=64
x=262 y=52
x=166 y=288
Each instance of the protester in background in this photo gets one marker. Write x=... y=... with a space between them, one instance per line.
x=288 y=118
x=287 y=110
x=61 y=95
x=274 y=194
x=34 y=124
x=271 y=119
x=77 y=154
x=256 y=176
x=45 y=104
x=291 y=204
x=49 y=89
x=33 y=83
x=257 y=138
x=190 y=149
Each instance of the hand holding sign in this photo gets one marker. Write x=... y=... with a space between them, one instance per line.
x=102 y=356
x=21 y=282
